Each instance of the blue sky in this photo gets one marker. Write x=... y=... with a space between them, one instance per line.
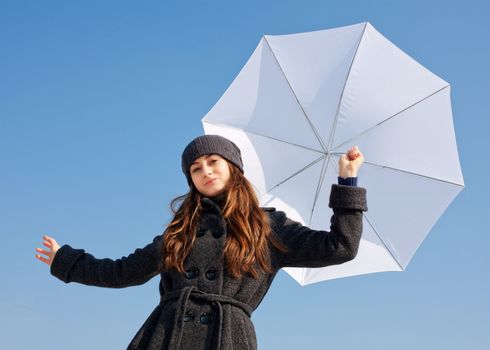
x=97 y=101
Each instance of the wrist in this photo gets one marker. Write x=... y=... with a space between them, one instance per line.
x=350 y=181
x=347 y=174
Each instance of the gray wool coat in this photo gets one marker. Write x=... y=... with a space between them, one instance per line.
x=206 y=308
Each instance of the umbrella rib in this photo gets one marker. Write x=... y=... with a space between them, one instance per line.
x=379 y=236
x=296 y=173
x=384 y=243
x=265 y=136
x=407 y=172
x=320 y=182
x=411 y=173
x=334 y=127
x=296 y=97
x=394 y=115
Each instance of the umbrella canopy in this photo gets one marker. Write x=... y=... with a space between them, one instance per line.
x=303 y=99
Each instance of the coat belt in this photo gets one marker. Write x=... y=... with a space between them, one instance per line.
x=217 y=300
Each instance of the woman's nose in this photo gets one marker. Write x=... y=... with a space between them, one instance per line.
x=207 y=170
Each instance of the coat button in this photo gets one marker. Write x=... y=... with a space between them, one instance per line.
x=189 y=316
x=212 y=274
x=205 y=318
x=201 y=232
x=192 y=273
x=218 y=233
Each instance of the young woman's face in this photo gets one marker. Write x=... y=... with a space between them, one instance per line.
x=210 y=174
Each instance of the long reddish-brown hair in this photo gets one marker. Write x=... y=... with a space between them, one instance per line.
x=248 y=229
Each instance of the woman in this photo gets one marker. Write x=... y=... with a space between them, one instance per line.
x=220 y=253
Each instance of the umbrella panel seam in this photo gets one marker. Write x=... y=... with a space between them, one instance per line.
x=261 y=135
x=293 y=175
x=334 y=127
x=379 y=237
x=411 y=173
x=297 y=100
x=389 y=118
x=320 y=183
x=384 y=243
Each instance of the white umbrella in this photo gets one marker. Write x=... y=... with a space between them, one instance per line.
x=303 y=99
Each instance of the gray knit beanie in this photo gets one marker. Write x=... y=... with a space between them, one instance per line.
x=210 y=144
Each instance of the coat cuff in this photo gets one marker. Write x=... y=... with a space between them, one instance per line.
x=348 y=181
x=348 y=197
x=64 y=260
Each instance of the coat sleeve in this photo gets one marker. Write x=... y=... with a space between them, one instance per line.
x=75 y=265
x=318 y=248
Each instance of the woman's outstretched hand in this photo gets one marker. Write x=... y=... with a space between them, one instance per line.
x=53 y=248
x=350 y=162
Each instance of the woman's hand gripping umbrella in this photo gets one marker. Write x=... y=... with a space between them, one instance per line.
x=350 y=162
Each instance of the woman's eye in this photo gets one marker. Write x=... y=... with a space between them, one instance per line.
x=195 y=169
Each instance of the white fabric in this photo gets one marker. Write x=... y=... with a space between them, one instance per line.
x=260 y=98
x=303 y=99
x=317 y=73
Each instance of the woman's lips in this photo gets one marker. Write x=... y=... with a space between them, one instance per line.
x=210 y=181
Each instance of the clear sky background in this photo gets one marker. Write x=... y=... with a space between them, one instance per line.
x=98 y=100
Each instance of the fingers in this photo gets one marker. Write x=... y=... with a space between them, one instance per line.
x=350 y=162
x=353 y=149
x=353 y=153
x=48 y=239
x=50 y=243
x=44 y=260
x=42 y=251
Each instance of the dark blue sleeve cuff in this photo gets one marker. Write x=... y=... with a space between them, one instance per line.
x=349 y=181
